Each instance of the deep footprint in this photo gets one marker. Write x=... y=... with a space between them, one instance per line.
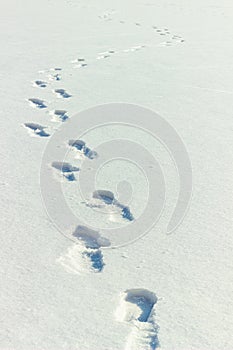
x=40 y=83
x=36 y=102
x=137 y=307
x=59 y=115
x=92 y=242
x=37 y=129
x=66 y=170
x=82 y=148
x=62 y=93
x=108 y=198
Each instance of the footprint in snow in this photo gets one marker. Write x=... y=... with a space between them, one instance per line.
x=79 y=62
x=40 y=83
x=86 y=256
x=59 y=115
x=82 y=149
x=66 y=170
x=80 y=65
x=56 y=77
x=36 y=129
x=137 y=308
x=36 y=102
x=62 y=93
x=103 y=199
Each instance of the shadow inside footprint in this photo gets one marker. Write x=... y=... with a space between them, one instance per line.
x=37 y=129
x=40 y=83
x=144 y=300
x=137 y=308
x=66 y=169
x=60 y=114
x=81 y=146
x=36 y=102
x=62 y=93
x=92 y=242
x=126 y=214
x=108 y=198
x=96 y=258
x=91 y=238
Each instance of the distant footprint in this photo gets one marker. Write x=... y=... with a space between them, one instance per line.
x=59 y=115
x=62 y=93
x=56 y=77
x=82 y=149
x=79 y=62
x=66 y=170
x=80 y=65
x=137 y=308
x=36 y=129
x=36 y=102
x=103 y=198
x=87 y=255
x=40 y=83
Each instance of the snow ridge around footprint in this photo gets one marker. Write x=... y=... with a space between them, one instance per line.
x=137 y=308
x=86 y=256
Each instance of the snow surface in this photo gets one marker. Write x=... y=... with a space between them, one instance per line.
x=175 y=57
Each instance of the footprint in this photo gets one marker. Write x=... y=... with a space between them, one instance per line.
x=56 y=77
x=86 y=256
x=108 y=198
x=137 y=308
x=92 y=242
x=36 y=102
x=40 y=83
x=178 y=39
x=62 y=93
x=80 y=65
x=36 y=129
x=66 y=170
x=59 y=115
x=103 y=56
x=82 y=149
x=77 y=60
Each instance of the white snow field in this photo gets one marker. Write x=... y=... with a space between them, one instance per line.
x=60 y=57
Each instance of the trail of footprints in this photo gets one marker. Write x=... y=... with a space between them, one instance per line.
x=55 y=74
x=136 y=306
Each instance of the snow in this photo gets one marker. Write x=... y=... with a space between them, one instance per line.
x=173 y=57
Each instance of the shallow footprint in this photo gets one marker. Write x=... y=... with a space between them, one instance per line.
x=36 y=102
x=137 y=308
x=36 y=129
